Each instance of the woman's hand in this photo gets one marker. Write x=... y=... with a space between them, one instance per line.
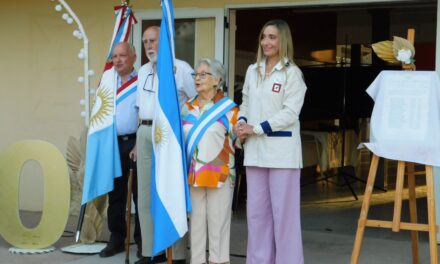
x=247 y=130
x=243 y=130
x=236 y=128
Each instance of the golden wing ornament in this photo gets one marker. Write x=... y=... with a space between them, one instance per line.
x=384 y=50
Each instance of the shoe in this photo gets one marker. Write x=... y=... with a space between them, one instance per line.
x=138 y=254
x=160 y=258
x=147 y=260
x=144 y=260
x=179 y=261
x=111 y=250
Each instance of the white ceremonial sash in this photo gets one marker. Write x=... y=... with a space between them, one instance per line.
x=204 y=122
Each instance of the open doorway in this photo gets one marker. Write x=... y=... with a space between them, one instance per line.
x=332 y=46
x=324 y=35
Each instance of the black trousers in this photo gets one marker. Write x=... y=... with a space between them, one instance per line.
x=118 y=197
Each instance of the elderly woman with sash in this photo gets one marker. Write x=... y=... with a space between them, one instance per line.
x=208 y=121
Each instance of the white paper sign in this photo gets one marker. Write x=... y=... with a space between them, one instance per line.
x=405 y=124
x=405 y=107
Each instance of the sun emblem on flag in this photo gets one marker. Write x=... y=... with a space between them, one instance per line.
x=103 y=106
x=160 y=134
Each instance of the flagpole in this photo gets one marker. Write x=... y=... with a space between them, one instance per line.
x=169 y=255
x=80 y=222
x=128 y=218
x=170 y=249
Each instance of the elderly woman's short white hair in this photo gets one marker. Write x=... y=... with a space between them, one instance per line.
x=217 y=69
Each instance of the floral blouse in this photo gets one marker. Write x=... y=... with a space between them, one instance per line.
x=213 y=160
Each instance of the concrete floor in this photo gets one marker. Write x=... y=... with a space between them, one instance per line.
x=329 y=220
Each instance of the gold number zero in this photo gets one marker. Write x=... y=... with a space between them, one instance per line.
x=56 y=194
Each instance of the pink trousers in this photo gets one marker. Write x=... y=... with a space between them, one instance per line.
x=273 y=216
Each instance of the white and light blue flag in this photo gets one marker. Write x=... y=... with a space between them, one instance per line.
x=170 y=200
x=103 y=163
x=102 y=153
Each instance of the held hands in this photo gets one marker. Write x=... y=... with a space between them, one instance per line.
x=243 y=130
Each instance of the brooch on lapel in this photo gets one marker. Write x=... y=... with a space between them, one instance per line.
x=276 y=87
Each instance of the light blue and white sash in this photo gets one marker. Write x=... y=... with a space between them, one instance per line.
x=199 y=128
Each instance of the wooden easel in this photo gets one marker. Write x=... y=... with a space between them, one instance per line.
x=396 y=225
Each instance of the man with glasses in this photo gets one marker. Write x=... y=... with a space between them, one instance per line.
x=146 y=102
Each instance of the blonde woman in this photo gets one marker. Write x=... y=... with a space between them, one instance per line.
x=208 y=121
x=273 y=95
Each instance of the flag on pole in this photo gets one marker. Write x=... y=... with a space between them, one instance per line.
x=124 y=22
x=170 y=200
x=102 y=153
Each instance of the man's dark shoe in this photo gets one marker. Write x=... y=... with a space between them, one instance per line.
x=144 y=260
x=147 y=260
x=179 y=261
x=111 y=250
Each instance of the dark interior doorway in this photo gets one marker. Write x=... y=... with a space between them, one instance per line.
x=332 y=46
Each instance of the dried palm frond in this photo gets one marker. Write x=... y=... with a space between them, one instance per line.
x=95 y=211
x=94 y=220
x=384 y=50
x=73 y=154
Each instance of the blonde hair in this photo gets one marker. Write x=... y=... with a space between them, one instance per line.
x=285 y=41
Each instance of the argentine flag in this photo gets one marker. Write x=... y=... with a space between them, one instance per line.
x=170 y=200
x=124 y=22
x=103 y=163
x=102 y=153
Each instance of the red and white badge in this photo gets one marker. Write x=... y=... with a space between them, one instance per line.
x=276 y=87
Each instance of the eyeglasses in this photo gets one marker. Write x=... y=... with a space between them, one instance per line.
x=150 y=86
x=202 y=75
